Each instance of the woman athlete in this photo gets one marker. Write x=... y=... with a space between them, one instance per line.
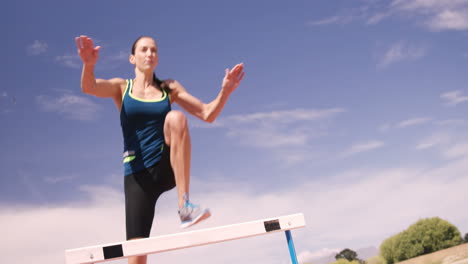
x=157 y=147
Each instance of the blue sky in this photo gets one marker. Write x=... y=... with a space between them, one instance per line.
x=352 y=112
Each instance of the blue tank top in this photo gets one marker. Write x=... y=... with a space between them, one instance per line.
x=142 y=124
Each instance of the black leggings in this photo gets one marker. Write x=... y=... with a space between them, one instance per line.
x=142 y=190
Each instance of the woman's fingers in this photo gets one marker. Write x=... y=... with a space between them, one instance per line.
x=237 y=72
x=78 y=43
x=241 y=77
x=90 y=43
x=239 y=68
x=235 y=75
x=87 y=43
x=83 y=42
x=86 y=50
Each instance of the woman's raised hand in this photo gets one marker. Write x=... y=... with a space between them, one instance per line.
x=88 y=53
x=233 y=77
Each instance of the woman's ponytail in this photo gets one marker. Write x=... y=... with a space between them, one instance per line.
x=162 y=85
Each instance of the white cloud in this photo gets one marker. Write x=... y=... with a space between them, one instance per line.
x=405 y=123
x=7 y=103
x=454 y=97
x=458 y=150
x=332 y=20
x=364 y=13
x=265 y=137
x=437 y=139
x=71 y=61
x=428 y=4
x=45 y=232
x=277 y=128
x=450 y=20
x=287 y=116
x=294 y=156
x=363 y=147
x=289 y=136
x=69 y=105
x=435 y=15
x=414 y=122
x=452 y=122
x=376 y=18
x=37 y=47
x=54 y=180
x=359 y=207
x=119 y=56
x=385 y=127
x=401 y=51
x=450 y=142
x=105 y=60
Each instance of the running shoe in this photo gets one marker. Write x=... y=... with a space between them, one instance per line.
x=191 y=214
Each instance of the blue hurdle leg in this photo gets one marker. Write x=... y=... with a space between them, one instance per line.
x=292 y=251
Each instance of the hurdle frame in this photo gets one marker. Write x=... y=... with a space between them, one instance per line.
x=164 y=243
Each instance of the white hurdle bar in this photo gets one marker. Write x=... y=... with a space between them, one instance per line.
x=151 y=245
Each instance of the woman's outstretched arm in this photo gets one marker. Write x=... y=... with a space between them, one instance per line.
x=208 y=112
x=89 y=84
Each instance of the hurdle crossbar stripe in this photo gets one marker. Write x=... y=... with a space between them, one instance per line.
x=101 y=253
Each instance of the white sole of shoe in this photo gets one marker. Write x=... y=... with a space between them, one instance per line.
x=206 y=213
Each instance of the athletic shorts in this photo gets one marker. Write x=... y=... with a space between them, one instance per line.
x=142 y=190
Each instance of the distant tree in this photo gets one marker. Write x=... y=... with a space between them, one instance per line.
x=347 y=254
x=466 y=238
x=432 y=234
x=423 y=237
x=388 y=248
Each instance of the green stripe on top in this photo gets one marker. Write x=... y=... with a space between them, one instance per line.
x=128 y=159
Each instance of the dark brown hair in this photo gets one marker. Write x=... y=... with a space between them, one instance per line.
x=160 y=84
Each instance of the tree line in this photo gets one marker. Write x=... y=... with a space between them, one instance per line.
x=423 y=237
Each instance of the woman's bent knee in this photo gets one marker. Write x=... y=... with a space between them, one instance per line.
x=176 y=120
x=176 y=116
x=175 y=123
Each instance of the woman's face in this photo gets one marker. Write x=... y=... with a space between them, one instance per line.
x=146 y=55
